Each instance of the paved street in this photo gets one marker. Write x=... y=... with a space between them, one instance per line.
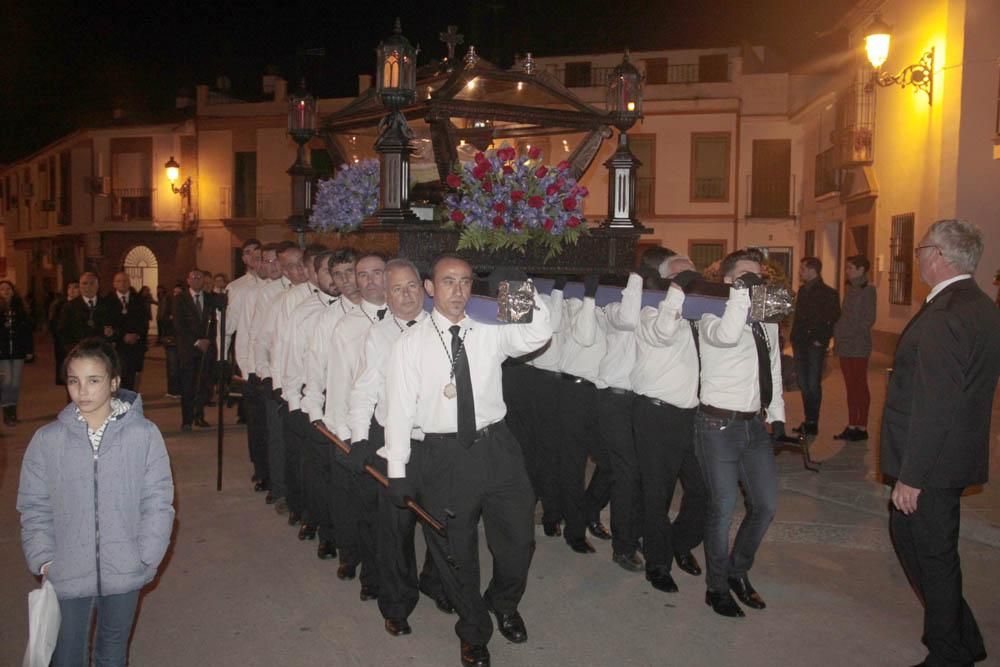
x=237 y=588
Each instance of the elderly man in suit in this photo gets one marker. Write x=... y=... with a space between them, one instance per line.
x=129 y=317
x=194 y=321
x=936 y=432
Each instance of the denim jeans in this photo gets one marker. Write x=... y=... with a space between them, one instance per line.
x=731 y=453
x=10 y=381
x=115 y=616
x=809 y=360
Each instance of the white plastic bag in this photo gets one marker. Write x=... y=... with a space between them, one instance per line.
x=43 y=625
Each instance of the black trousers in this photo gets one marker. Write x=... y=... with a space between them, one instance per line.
x=275 y=430
x=131 y=357
x=927 y=545
x=314 y=462
x=543 y=389
x=581 y=436
x=293 y=461
x=257 y=436
x=614 y=410
x=489 y=481
x=664 y=438
x=196 y=384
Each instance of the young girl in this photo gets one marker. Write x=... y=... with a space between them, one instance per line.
x=16 y=347
x=95 y=499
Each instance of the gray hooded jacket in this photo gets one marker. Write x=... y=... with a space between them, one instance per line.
x=103 y=520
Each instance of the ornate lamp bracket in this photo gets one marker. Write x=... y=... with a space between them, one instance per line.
x=920 y=75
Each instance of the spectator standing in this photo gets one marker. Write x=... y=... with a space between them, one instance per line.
x=55 y=311
x=852 y=342
x=16 y=347
x=817 y=308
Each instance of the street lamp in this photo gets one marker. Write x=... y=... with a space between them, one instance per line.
x=624 y=103
x=302 y=127
x=396 y=85
x=920 y=75
x=173 y=175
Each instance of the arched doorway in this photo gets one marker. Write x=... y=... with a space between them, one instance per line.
x=143 y=271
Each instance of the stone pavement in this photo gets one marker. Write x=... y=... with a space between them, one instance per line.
x=237 y=588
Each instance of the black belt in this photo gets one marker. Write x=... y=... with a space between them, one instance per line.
x=485 y=431
x=617 y=391
x=575 y=379
x=546 y=371
x=727 y=414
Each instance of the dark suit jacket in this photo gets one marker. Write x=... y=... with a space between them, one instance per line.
x=73 y=322
x=188 y=326
x=135 y=319
x=817 y=308
x=936 y=424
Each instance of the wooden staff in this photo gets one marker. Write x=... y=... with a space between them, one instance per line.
x=411 y=504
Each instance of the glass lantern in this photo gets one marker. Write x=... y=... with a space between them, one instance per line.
x=302 y=114
x=877 y=39
x=624 y=94
x=396 y=70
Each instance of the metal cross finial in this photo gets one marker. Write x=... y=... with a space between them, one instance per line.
x=528 y=66
x=471 y=57
x=452 y=37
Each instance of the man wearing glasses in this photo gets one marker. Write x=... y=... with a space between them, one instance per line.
x=936 y=432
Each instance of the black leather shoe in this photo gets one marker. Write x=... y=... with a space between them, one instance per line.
x=294 y=518
x=201 y=423
x=511 y=626
x=185 y=427
x=307 y=532
x=369 y=593
x=326 y=550
x=581 y=546
x=662 y=581
x=745 y=592
x=440 y=601
x=281 y=506
x=807 y=428
x=631 y=562
x=397 y=626
x=269 y=499
x=598 y=530
x=552 y=528
x=688 y=563
x=475 y=655
x=260 y=486
x=347 y=571
x=856 y=435
x=723 y=604
x=844 y=435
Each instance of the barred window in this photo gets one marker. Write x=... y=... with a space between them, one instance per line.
x=901 y=262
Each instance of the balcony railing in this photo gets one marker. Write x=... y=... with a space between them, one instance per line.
x=132 y=204
x=645 y=195
x=827 y=173
x=259 y=207
x=770 y=196
x=598 y=76
x=710 y=189
x=855 y=123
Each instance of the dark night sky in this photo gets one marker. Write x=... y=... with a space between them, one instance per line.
x=64 y=65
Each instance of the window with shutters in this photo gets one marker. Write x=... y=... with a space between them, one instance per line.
x=713 y=68
x=245 y=184
x=657 y=70
x=643 y=146
x=901 y=260
x=705 y=252
x=810 y=244
x=710 y=166
x=578 y=74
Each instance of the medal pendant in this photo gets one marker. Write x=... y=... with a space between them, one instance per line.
x=450 y=391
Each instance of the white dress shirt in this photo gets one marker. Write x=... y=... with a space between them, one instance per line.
x=944 y=283
x=618 y=323
x=549 y=359
x=666 y=366
x=321 y=350
x=583 y=342
x=729 y=370
x=283 y=332
x=303 y=322
x=420 y=367
x=342 y=367
x=242 y=296
x=368 y=391
x=263 y=327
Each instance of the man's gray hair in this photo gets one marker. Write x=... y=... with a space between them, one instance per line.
x=669 y=262
x=960 y=243
x=402 y=263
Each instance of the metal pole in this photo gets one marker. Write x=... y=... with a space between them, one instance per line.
x=221 y=379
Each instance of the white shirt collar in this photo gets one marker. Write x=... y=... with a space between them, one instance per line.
x=444 y=324
x=944 y=283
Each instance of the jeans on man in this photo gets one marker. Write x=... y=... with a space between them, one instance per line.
x=734 y=452
x=809 y=359
x=115 y=616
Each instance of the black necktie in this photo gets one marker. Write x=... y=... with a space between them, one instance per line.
x=411 y=323
x=763 y=364
x=381 y=313
x=124 y=305
x=463 y=383
x=197 y=304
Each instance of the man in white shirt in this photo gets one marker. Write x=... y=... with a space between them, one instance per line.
x=666 y=383
x=740 y=385
x=444 y=378
x=583 y=346
x=390 y=528
x=282 y=263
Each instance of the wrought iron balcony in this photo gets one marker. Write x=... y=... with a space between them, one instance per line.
x=132 y=204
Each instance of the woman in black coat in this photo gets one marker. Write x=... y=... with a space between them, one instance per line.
x=16 y=346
